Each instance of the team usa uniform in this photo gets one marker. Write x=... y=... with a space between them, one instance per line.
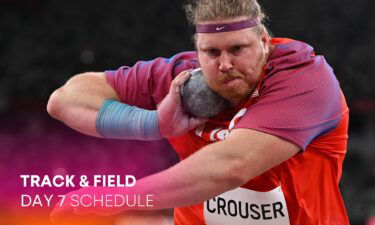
x=298 y=99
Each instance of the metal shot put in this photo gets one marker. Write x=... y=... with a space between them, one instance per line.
x=199 y=99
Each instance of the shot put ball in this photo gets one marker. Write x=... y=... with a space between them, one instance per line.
x=199 y=99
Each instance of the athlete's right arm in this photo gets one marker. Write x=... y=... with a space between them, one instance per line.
x=79 y=104
x=78 y=101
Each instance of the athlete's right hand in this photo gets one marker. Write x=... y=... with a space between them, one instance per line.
x=173 y=119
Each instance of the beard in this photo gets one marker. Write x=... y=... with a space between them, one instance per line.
x=235 y=86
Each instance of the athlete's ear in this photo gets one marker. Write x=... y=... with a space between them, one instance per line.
x=265 y=39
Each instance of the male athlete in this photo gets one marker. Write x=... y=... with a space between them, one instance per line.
x=274 y=157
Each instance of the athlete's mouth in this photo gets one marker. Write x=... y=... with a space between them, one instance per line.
x=230 y=79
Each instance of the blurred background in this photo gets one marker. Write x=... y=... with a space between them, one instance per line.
x=44 y=42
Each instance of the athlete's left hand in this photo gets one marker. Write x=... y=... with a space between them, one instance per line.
x=81 y=202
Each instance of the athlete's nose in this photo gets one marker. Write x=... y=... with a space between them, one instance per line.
x=225 y=62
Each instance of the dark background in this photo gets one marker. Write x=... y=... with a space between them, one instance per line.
x=44 y=42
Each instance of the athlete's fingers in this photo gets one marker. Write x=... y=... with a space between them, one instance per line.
x=179 y=80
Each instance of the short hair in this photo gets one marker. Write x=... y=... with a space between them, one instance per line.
x=198 y=11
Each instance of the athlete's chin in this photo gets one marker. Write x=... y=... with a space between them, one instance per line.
x=233 y=93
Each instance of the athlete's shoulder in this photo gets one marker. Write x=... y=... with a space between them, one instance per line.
x=289 y=53
x=182 y=61
x=189 y=57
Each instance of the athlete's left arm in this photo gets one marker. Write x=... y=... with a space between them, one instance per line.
x=214 y=169
x=217 y=168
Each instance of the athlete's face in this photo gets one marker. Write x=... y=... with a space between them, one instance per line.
x=232 y=62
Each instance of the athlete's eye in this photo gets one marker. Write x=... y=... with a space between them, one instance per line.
x=236 y=49
x=213 y=52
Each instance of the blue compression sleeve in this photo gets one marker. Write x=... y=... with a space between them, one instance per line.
x=121 y=121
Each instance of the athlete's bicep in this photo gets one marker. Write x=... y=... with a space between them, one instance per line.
x=146 y=83
x=258 y=152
